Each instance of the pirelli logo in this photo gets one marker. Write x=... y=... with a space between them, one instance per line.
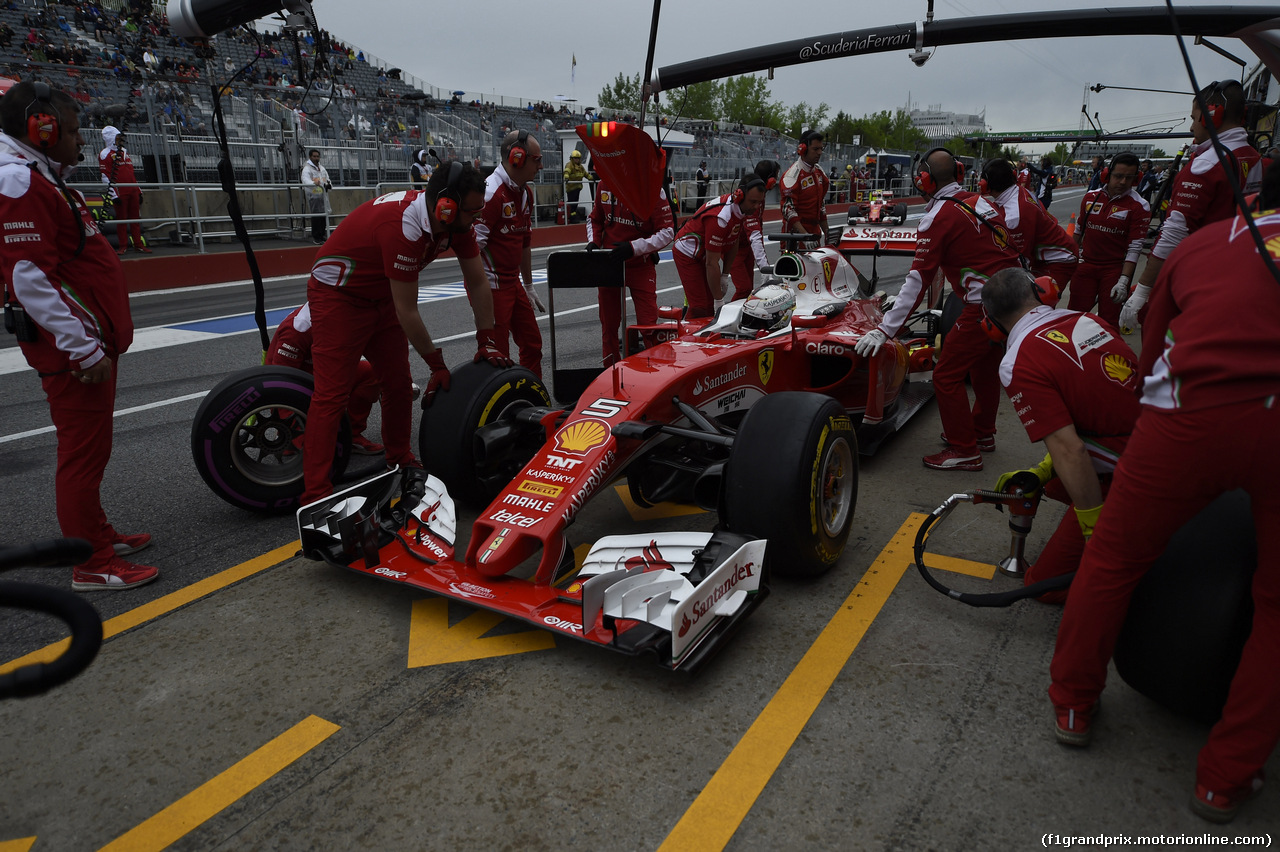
x=530 y=487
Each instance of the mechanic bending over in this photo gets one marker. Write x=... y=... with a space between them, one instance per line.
x=635 y=242
x=709 y=237
x=1217 y=379
x=504 y=233
x=751 y=255
x=291 y=347
x=1110 y=230
x=66 y=302
x=804 y=190
x=1036 y=235
x=1201 y=191
x=965 y=237
x=1082 y=406
x=363 y=293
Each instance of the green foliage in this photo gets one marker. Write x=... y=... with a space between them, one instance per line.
x=841 y=130
x=1158 y=154
x=959 y=147
x=1061 y=154
x=802 y=117
x=746 y=99
x=622 y=95
x=887 y=129
x=701 y=100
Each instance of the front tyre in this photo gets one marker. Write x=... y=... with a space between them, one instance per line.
x=246 y=439
x=792 y=478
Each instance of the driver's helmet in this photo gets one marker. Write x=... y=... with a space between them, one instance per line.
x=768 y=308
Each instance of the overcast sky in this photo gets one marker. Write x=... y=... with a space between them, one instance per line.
x=525 y=49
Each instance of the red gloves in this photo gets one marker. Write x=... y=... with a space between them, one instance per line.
x=439 y=377
x=488 y=349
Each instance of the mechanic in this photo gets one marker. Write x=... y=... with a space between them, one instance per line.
x=1082 y=406
x=1215 y=378
x=960 y=233
x=703 y=177
x=1024 y=173
x=573 y=176
x=315 y=180
x=66 y=301
x=1036 y=235
x=420 y=171
x=635 y=242
x=1095 y=177
x=804 y=190
x=504 y=233
x=1110 y=229
x=708 y=242
x=363 y=293
x=751 y=254
x=291 y=347
x=1202 y=189
x=116 y=167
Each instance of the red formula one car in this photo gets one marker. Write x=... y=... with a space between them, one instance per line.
x=880 y=209
x=757 y=415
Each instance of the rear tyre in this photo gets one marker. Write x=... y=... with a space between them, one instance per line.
x=792 y=478
x=478 y=395
x=246 y=439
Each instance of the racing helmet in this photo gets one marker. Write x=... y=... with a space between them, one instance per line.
x=768 y=308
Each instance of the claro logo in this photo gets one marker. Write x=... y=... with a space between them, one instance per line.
x=819 y=348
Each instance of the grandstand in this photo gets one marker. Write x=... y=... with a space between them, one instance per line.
x=367 y=119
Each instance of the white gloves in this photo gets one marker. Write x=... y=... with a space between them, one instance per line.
x=870 y=343
x=726 y=285
x=1129 y=313
x=1120 y=292
x=533 y=298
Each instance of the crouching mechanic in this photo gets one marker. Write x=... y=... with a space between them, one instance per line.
x=751 y=255
x=708 y=242
x=635 y=242
x=964 y=236
x=66 y=300
x=363 y=293
x=291 y=347
x=1073 y=383
x=1203 y=374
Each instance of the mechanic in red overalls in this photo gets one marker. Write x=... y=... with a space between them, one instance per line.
x=1037 y=235
x=1082 y=405
x=964 y=236
x=751 y=255
x=291 y=347
x=1201 y=191
x=117 y=170
x=61 y=273
x=636 y=242
x=1110 y=229
x=363 y=293
x=708 y=241
x=504 y=233
x=1203 y=372
x=804 y=190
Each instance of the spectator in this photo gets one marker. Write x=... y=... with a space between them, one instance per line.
x=315 y=182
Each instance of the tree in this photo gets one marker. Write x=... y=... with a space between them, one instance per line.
x=623 y=95
x=802 y=117
x=746 y=99
x=701 y=100
x=1158 y=154
x=886 y=129
x=841 y=130
x=1061 y=154
x=960 y=147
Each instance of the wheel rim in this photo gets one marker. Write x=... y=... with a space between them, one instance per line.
x=837 y=484
x=266 y=445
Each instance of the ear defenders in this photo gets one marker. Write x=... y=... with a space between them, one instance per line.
x=925 y=180
x=447 y=202
x=1216 y=113
x=518 y=153
x=1046 y=291
x=43 y=129
x=1105 y=174
x=750 y=183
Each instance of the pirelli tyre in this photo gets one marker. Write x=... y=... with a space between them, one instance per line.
x=900 y=213
x=792 y=478
x=479 y=395
x=246 y=438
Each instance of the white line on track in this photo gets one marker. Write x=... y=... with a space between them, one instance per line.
x=137 y=408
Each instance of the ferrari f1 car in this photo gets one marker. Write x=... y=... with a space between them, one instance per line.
x=757 y=415
x=880 y=209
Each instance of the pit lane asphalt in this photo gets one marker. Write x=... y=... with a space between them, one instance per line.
x=934 y=734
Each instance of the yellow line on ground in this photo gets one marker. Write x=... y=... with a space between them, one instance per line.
x=715 y=815
x=224 y=790
x=160 y=606
x=20 y=845
x=960 y=566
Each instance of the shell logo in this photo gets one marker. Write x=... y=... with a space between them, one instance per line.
x=1273 y=247
x=1058 y=337
x=1117 y=368
x=582 y=436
